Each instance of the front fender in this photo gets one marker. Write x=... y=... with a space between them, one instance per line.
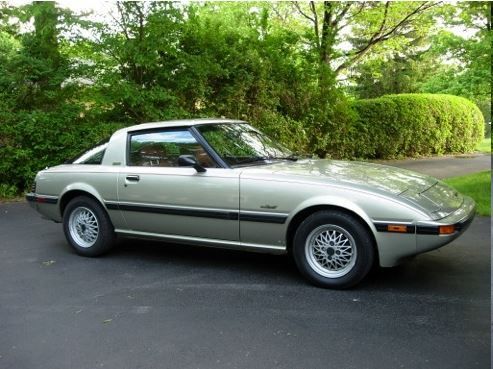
x=392 y=248
x=327 y=200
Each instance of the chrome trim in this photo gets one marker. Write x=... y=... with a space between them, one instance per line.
x=172 y=207
x=203 y=212
x=165 y=206
x=47 y=197
x=263 y=213
x=207 y=242
x=392 y=222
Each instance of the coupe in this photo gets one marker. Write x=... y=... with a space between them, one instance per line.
x=222 y=183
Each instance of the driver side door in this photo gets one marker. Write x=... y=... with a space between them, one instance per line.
x=157 y=196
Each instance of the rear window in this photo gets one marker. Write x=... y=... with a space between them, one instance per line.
x=92 y=156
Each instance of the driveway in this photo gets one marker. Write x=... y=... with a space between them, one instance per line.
x=445 y=166
x=154 y=305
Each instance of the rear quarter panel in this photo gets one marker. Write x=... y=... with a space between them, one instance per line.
x=100 y=181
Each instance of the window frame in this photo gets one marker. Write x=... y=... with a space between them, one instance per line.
x=206 y=143
x=195 y=134
x=73 y=160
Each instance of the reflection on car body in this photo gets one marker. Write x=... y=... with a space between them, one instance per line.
x=222 y=183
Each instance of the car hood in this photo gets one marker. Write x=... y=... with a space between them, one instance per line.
x=426 y=192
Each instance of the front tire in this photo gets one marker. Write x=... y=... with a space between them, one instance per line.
x=87 y=227
x=333 y=249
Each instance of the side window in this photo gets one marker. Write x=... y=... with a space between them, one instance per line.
x=162 y=149
x=93 y=156
x=96 y=159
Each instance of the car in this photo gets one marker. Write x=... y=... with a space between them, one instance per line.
x=223 y=183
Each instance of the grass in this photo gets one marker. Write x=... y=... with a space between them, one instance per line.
x=485 y=145
x=477 y=186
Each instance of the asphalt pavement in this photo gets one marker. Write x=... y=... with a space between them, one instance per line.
x=155 y=305
x=445 y=166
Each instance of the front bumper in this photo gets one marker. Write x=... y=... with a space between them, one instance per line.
x=427 y=233
x=421 y=236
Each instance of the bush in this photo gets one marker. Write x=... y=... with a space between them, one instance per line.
x=411 y=125
x=485 y=106
x=7 y=191
x=31 y=141
x=281 y=128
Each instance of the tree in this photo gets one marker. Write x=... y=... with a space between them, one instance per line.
x=41 y=120
x=467 y=72
x=362 y=25
x=137 y=58
x=159 y=61
x=285 y=67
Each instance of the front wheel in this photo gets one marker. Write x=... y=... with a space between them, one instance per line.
x=333 y=249
x=87 y=227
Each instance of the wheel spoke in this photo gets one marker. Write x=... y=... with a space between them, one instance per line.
x=331 y=250
x=84 y=227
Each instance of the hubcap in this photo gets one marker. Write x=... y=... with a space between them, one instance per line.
x=330 y=251
x=83 y=227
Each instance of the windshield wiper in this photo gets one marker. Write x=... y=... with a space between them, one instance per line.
x=253 y=160
x=265 y=158
x=290 y=158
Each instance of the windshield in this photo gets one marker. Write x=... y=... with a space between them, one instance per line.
x=241 y=144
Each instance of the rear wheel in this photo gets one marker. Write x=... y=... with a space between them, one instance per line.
x=87 y=227
x=333 y=249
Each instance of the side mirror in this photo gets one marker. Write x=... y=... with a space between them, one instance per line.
x=190 y=161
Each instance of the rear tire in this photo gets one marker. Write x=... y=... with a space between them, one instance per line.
x=333 y=249
x=87 y=227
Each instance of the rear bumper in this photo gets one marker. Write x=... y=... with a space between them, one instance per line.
x=33 y=198
x=46 y=205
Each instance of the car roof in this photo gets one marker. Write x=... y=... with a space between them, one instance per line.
x=182 y=123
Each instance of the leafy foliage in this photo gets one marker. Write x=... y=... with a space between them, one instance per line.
x=417 y=124
x=67 y=80
x=41 y=121
x=453 y=57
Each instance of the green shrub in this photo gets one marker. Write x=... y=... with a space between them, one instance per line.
x=33 y=140
x=8 y=191
x=411 y=125
x=281 y=128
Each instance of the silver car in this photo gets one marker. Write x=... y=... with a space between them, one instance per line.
x=222 y=183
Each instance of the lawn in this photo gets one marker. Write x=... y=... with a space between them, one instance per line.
x=478 y=186
x=485 y=145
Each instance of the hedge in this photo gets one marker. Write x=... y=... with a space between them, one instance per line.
x=387 y=127
x=31 y=141
x=411 y=125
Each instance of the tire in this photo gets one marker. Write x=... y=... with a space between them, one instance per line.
x=333 y=249
x=87 y=227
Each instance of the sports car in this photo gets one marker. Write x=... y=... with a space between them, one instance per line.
x=223 y=183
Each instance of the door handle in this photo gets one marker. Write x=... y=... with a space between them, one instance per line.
x=132 y=178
